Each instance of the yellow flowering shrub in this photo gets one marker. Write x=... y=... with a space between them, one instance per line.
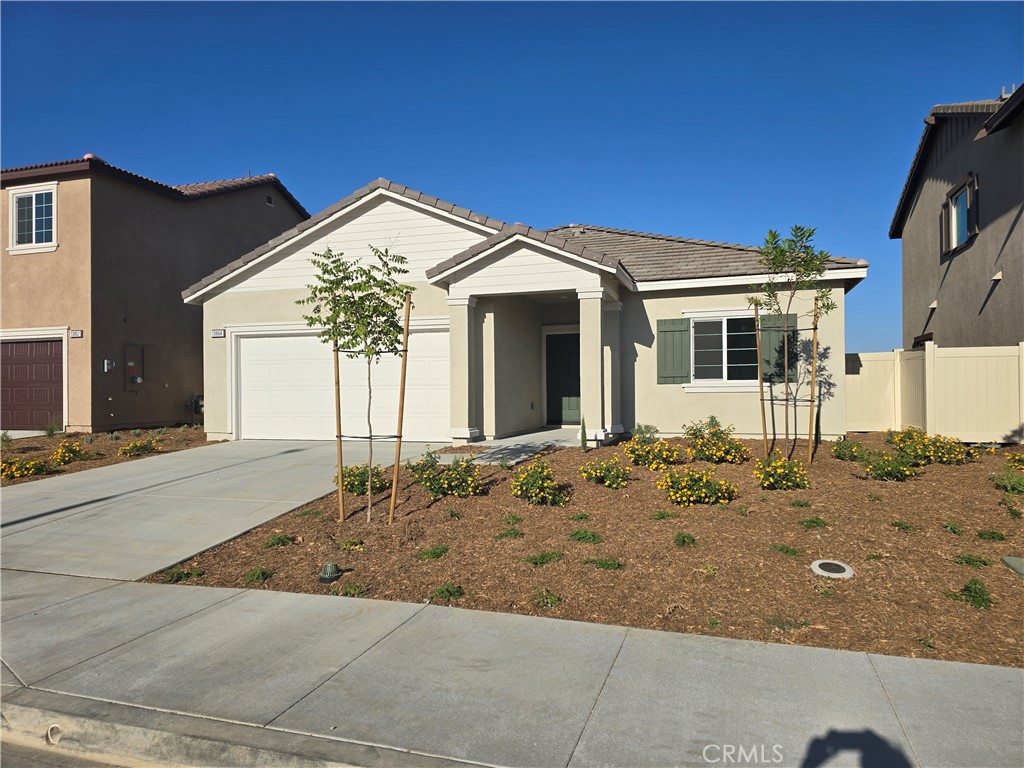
x=138 y=447
x=1015 y=461
x=355 y=478
x=535 y=483
x=11 y=470
x=918 y=448
x=610 y=474
x=656 y=454
x=66 y=452
x=777 y=473
x=711 y=441
x=460 y=478
x=694 y=486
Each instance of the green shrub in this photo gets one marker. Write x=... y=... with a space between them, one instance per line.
x=586 y=536
x=991 y=536
x=115 y=436
x=604 y=563
x=433 y=553
x=1010 y=480
x=711 y=441
x=684 y=539
x=1009 y=501
x=974 y=561
x=139 y=447
x=52 y=427
x=511 y=520
x=543 y=558
x=536 y=485
x=6 y=441
x=11 y=470
x=953 y=528
x=545 y=598
x=645 y=434
x=258 y=575
x=447 y=592
x=278 y=540
x=975 y=594
x=888 y=468
x=777 y=473
x=352 y=589
x=136 y=433
x=694 y=486
x=655 y=455
x=579 y=517
x=848 y=450
x=177 y=574
x=461 y=478
x=354 y=479
x=610 y=473
x=813 y=522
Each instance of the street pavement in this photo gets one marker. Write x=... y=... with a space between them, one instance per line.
x=181 y=675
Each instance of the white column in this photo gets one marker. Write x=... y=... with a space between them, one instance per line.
x=462 y=362
x=612 y=312
x=592 y=362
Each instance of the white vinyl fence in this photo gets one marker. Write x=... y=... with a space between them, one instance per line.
x=975 y=394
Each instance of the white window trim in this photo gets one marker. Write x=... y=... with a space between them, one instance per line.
x=954 y=229
x=715 y=385
x=30 y=189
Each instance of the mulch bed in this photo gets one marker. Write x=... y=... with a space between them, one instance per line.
x=100 y=448
x=730 y=584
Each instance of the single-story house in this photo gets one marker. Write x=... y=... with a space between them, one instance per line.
x=514 y=328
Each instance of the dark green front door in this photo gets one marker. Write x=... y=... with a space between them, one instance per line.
x=562 y=357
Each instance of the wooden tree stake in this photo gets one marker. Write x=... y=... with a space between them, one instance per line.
x=814 y=375
x=760 y=377
x=401 y=409
x=337 y=432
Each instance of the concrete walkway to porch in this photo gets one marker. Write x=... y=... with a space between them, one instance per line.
x=512 y=450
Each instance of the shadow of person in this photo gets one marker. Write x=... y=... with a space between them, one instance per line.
x=875 y=752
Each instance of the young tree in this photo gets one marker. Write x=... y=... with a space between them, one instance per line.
x=356 y=304
x=793 y=265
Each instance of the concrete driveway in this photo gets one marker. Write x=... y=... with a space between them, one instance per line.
x=128 y=520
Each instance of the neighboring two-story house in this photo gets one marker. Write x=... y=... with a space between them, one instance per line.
x=93 y=332
x=960 y=219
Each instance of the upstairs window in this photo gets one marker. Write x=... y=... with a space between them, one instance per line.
x=959 y=219
x=33 y=218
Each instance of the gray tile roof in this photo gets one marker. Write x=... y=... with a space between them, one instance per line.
x=359 y=194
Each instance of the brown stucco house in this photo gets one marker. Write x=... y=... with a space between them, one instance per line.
x=960 y=219
x=94 y=335
x=513 y=329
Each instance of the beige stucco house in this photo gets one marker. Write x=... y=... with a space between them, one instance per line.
x=513 y=329
x=93 y=332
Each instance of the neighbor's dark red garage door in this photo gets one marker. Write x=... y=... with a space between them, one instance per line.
x=31 y=384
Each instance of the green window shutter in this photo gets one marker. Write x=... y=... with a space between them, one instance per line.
x=673 y=345
x=772 y=347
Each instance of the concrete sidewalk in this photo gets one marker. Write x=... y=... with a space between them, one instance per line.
x=206 y=676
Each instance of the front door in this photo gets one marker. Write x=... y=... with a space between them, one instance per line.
x=562 y=356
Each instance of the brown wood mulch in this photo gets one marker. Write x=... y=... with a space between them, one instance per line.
x=100 y=448
x=730 y=584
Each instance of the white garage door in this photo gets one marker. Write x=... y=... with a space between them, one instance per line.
x=286 y=389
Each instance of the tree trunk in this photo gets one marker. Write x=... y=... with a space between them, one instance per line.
x=369 y=427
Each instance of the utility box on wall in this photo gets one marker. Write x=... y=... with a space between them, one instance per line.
x=132 y=367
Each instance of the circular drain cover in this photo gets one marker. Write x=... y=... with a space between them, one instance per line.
x=832 y=569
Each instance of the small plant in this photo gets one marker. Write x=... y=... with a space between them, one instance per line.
x=874 y=497
x=848 y=450
x=66 y=452
x=461 y=478
x=656 y=455
x=585 y=536
x=278 y=540
x=888 y=468
x=694 y=486
x=505 y=465
x=610 y=473
x=52 y=427
x=511 y=520
x=352 y=545
x=352 y=589
x=447 y=592
x=355 y=478
x=953 y=528
x=605 y=563
x=579 y=517
x=583 y=435
x=813 y=522
x=160 y=431
x=545 y=598
x=1010 y=502
x=800 y=503
x=543 y=558
x=664 y=514
x=707 y=569
x=790 y=551
x=926 y=642
x=136 y=433
x=6 y=441
x=777 y=473
x=714 y=623
x=510 y=533
x=139 y=447
x=645 y=434
x=536 y=485
x=115 y=436
x=741 y=510
x=1010 y=480
x=433 y=553
x=87 y=439
x=785 y=625
x=875 y=556
x=823 y=589
x=973 y=561
x=258 y=575
x=684 y=539
x=902 y=525
x=454 y=514
x=991 y=536
x=711 y=441
x=178 y=574
x=11 y=470
x=309 y=513
x=975 y=594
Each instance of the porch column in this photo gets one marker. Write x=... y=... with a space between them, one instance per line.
x=462 y=346
x=592 y=362
x=612 y=367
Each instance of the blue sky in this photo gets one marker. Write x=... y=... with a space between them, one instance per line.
x=709 y=120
